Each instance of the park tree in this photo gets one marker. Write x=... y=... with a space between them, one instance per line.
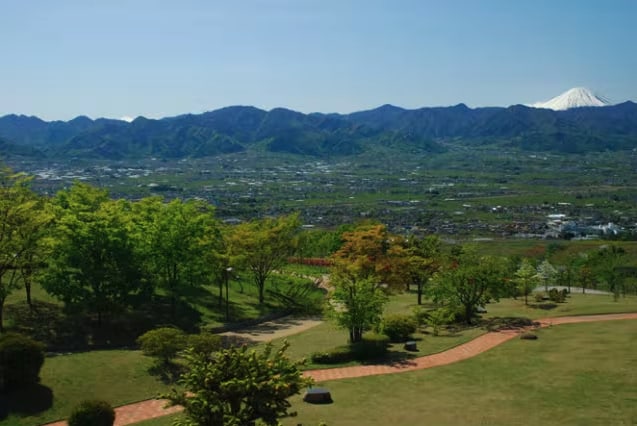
x=567 y=273
x=422 y=258
x=526 y=279
x=469 y=281
x=94 y=265
x=608 y=264
x=263 y=246
x=237 y=387
x=365 y=268
x=356 y=302
x=22 y=220
x=179 y=241
x=547 y=274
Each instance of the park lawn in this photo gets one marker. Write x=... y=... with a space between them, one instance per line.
x=565 y=377
x=328 y=336
x=117 y=376
x=579 y=374
x=576 y=304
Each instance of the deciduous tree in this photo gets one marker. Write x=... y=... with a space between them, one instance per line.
x=22 y=218
x=94 y=265
x=262 y=246
x=526 y=279
x=468 y=282
x=180 y=240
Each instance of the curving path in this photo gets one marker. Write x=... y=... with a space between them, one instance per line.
x=152 y=408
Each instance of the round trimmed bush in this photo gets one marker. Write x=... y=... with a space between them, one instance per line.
x=92 y=413
x=21 y=359
x=204 y=343
x=163 y=343
x=399 y=327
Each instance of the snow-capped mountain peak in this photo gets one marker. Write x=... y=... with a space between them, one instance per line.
x=574 y=98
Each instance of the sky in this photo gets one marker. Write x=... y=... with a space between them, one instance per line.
x=124 y=58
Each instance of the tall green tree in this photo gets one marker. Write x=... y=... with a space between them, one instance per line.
x=237 y=387
x=369 y=263
x=608 y=264
x=356 y=302
x=180 y=239
x=422 y=258
x=547 y=274
x=263 y=246
x=526 y=279
x=94 y=265
x=22 y=217
x=469 y=281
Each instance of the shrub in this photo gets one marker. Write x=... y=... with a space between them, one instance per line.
x=163 y=343
x=339 y=355
x=204 y=343
x=398 y=327
x=438 y=317
x=92 y=413
x=21 y=359
x=557 y=296
x=372 y=346
x=539 y=297
x=420 y=315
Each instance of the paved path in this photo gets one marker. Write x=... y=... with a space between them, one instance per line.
x=152 y=408
x=274 y=329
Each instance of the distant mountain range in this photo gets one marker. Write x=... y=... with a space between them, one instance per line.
x=240 y=128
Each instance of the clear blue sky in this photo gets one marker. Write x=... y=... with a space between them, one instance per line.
x=114 y=58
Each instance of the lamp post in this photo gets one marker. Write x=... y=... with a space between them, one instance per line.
x=228 y=271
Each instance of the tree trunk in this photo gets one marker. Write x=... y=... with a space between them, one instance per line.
x=221 y=290
x=420 y=293
x=526 y=298
x=468 y=312
x=261 y=290
x=2 y=315
x=27 y=288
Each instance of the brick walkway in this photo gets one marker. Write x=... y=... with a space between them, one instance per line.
x=153 y=408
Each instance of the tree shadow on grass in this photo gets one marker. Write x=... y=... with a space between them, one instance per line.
x=546 y=306
x=48 y=323
x=26 y=401
x=393 y=358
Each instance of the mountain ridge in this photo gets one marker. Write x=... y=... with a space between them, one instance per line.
x=238 y=128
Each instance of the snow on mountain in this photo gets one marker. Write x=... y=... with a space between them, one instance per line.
x=573 y=98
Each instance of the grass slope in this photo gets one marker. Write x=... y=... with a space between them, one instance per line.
x=579 y=374
x=119 y=377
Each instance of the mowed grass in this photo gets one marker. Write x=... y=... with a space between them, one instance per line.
x=578 y=374
x=576 y=304
x=575 y=374
x=119 y=377
x=328 y=336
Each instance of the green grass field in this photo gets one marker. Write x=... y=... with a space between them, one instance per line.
x=576 y=374
x=119 y=377
x=579 y=374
